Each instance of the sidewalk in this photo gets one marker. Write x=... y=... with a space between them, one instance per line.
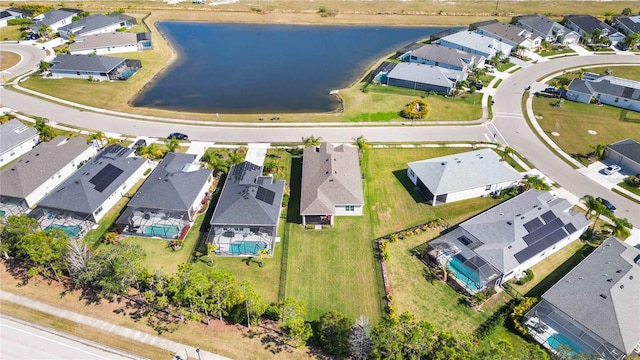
x=139 y=336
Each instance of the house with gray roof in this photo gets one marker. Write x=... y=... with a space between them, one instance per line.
x=605 y=89
x=16 y=139
x=245 y=220
x=94 y=67
x=331 y=184
x=110 y=43
x=91 y=25
x=169 y=199
x=595 y=308
x=462 y=176
x=627 y=24
x=6 y=15
x=85 y=197
x=424 y=77
x=444 y=57
x=54 y=19
x=33 y=175
x=475 y=43
x=504 y=241
x=587 y=25
x=549 y=30
x=512 y=35
x=626 y=154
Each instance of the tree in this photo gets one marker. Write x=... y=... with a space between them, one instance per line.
x=250 y=307
x=44 y=30
x=599 y=150
x=361 y=143
x=359 y=339
x=296 y=329
x=600 y=209
x=45 y=251
x=114 y=269
x=429 y=275
x=627 y=12
x=535 y=182
x=172 y=144
x=519 y=50
x=311 y=141
x=211 y=251
x=214 y=162
x=417 y=109
x=621 y=228
x=333 y=331
x=506 y=153
x=72 y=38
x=45 y=131
x=632 y=40
x=591 y=203
x=407 y=338
x=262 y=252
x=77 y=257
x=99 y=137
x=44 y=66
x=236 y=157
x=15 y=229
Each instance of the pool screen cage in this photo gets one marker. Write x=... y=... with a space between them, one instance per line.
x=49 y=218
x=146 y=222
x=125 y=70
x=544 y=320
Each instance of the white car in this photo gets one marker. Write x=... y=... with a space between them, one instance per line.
x=612 y=169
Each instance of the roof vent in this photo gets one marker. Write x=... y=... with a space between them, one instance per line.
x=630 y=277
x=603 y=296
x=621 y=286
x=459 y=161
x=442 y=164
x=481 y=157
x=609 y=280
x=509 y=223
x=618 y=271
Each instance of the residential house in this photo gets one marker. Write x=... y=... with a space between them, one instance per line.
x=625 y=153
x=504 y=241
x=96 y=67
x=6 y=15
x=475 y=43
x=53 y=19
x=129 y=19
x=16 y=139
x=587 y=25
x=33 y=175
x=445 y=57
x=110 y=43
x=512 y=35
x=627 y=24
x=595 y=308
x=549 y=30
x=25 y=13
x=605 y=89
x=462 y=176
x=424 y=77
x=83 y=199
x=331 y=184
x=91 y=25
x=245 y=220
x=169 y=199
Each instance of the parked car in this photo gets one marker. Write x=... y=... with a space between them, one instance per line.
x=622 y=46
x=612 y=169
x=477 y=85
x=607 y=204
x=178 y=136
x=140 y=142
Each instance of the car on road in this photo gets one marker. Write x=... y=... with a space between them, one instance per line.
x=612 y=169
x=607 y=204
x=178 y=136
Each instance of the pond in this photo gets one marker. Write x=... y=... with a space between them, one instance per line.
x=247 y=68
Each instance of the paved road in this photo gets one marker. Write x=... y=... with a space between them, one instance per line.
x=31 y=56
x=20 y=340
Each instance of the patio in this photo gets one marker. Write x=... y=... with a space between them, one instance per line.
x=10 y=207
x=242 y=241
x=163 y=224
x=72 y=224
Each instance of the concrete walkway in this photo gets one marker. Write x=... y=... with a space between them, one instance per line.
x=111 y=328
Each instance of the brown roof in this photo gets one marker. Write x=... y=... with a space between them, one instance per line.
x=330 y=176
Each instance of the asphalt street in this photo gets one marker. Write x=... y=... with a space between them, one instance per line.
x=31 y=56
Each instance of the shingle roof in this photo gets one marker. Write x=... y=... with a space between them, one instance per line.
x=53 y=16
x=542 y=25
x=477 y=42
x=173 y=185
x=85 y=62
x=14 y=133
x=514 y=231
x=630 y=148
x=248 y=198
x=445 y=55
x=602 y=293
x=631 y=22
x=590 y=23
x=90 y=23
x=330 y=176
x=97 y=41
x=506 y=32
x=611 y=85
x=426 y=74
x=94 y=182
x=32 y=169
x=469 y=170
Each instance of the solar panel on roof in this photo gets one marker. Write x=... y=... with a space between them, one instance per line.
x=265 y=195
x=543 y=231
x=105 y=177
x=570 y=228
x=548 y=216
x=533 y=224
x=540 y=245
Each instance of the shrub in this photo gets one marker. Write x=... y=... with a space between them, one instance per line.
x=384 y=251
x=309 y=227
x=272 y=312
x=417 y=109
x=518 y=313
x=528 y=276
x=494 y=321
x=110 y=237
x=633 y=181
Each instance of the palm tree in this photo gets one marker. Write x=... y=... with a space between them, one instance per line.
x=506 y=152
x=211 y=251
x=632 y=40
x=599 y=150
x=311 y=141
x=172 y=144
x=591 y=203
x=620 y=227
x=536 y=183
x=600 y=209
x=99 y=137
x=235 y=157
x=262 y=253
x=444 y=270
x=275 y=167
x=361 y=143
x=519 y=50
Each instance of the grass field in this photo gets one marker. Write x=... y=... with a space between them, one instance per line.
x=8 y=59
x=555 y=50
x=10 y=33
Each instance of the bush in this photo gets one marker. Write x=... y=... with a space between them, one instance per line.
x=497 y=319
x=417 y=109
x=633 y=181
x=528 y=276
x=517 y=315
x=272 y=312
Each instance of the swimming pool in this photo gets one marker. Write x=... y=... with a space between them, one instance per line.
x=71 y=230
x=246 y=247
x=165 y=231
x=466 y=275
x=558 y=339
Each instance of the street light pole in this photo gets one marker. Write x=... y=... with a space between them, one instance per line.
x=198 y=351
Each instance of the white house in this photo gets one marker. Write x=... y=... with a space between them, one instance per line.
x=94 y=67
x=605 y=89
x=504 y=241
x=625 y=153
x=512 y=35
x=36 y=173
x=91 y=25
x=6 y=15
x=54 y=19
x=587 y=25
x=475 y=43
x=549 y=30
x=16 y=139
x=445 y=57
x=462 y=176
x=110 y=43
x=331 y=184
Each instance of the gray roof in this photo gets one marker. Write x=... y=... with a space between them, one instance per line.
x=477 y=42
x=90 y=23
x=610 y=85
x=589 y=24
x=248 y=198
x=518 y=229
x=53 y=16
x=631 y=22
x=630 y=148
x=446 y=55
x=602 y=293
x=94 y=182
x=426 y=74
x=5 y=14
x=330 y=176
x=97 y=41
x=103 y=64
x=32 y=169
x=14 y=133
x=173 y=185
x=542 y=25
x=458 y=172
x=506 y=32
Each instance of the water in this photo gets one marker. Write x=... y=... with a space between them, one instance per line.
x=558 y=339
x=168 y=231
x=70 y=230
x=245 y=68
x=247 y=247
x=468 y=276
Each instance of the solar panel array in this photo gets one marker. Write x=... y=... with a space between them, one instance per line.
x=532 y=225
x=548 y=216
x=105 y=177
x=541 y=232
x=265 y=195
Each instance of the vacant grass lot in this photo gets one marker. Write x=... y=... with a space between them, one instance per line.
x=8 y=59
x=10 y=33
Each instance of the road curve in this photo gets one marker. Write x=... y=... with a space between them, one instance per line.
x=31 y=55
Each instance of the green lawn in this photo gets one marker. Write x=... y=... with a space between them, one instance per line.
x=555 y=50
x=10 y=33
x=630 y=188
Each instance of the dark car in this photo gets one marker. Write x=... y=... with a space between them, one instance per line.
x=140 y=142
x=607 y=204
x=178 y=136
